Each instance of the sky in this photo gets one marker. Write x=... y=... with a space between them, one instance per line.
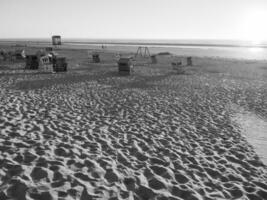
x=135 y=19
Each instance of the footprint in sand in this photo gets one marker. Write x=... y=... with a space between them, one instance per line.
x=17 y=190
x=156 y=184
x=38 y=173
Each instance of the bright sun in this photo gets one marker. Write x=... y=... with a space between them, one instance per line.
x=254 y=26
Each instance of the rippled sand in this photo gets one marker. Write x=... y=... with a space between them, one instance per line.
x=91 y=134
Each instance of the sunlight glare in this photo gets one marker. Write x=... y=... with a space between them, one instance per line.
x=255 y=49
x=254 y=25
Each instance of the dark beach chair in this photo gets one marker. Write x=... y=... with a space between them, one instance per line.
x=32 y=62
x=96 y=57
x=60 y=64
x=125 y=66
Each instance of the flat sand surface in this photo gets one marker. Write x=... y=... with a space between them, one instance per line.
x=93 y=134
x=255 y=131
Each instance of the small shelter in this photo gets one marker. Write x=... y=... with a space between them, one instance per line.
x=95 y=57
x=32 y=62
x=125 y=65
x=56 y=40
x=60 y=64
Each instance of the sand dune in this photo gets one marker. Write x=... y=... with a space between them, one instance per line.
x=170 y=138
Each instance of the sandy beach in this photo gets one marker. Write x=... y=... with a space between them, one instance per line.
x=90 y=133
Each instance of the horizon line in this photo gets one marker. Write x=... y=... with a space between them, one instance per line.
x=246 y=44
x=95 y=38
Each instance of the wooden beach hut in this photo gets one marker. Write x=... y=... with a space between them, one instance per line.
x=56 y=40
